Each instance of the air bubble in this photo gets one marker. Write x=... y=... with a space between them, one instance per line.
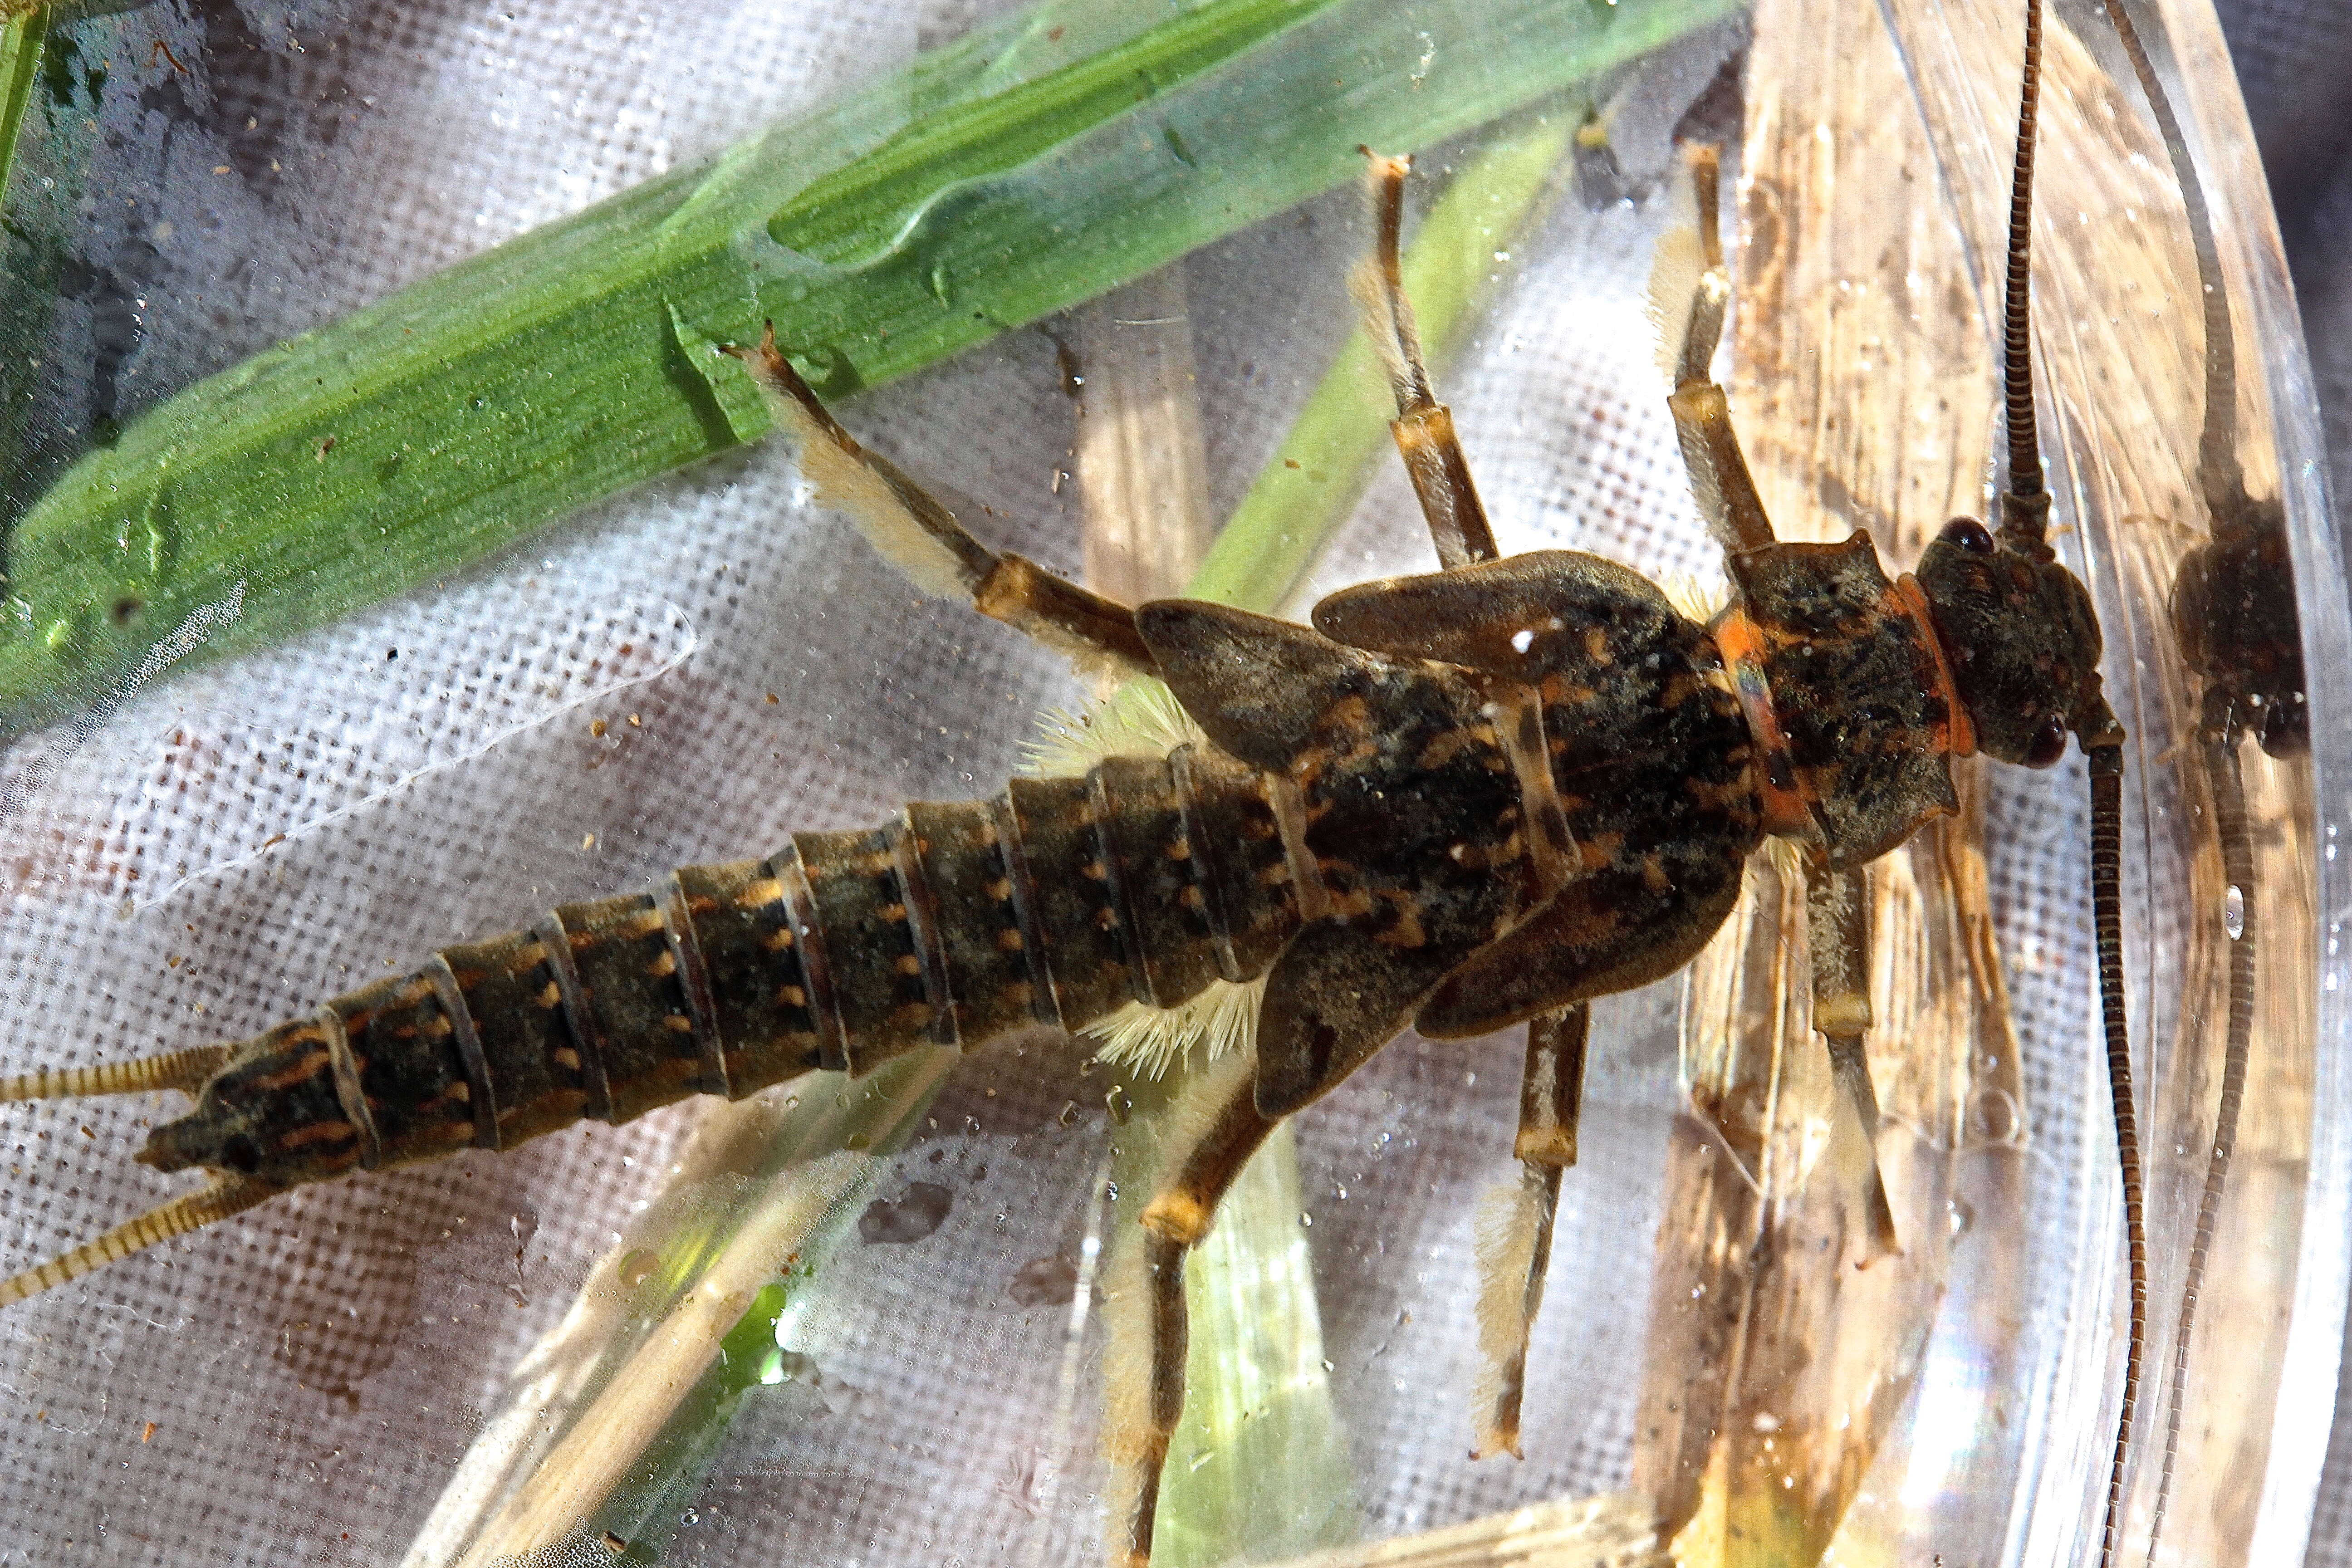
x=2233 y=913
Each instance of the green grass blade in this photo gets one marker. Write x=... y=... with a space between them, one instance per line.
x=21 y=37
x=397 y=446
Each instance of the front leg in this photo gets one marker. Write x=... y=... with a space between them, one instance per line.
x=1720 y=482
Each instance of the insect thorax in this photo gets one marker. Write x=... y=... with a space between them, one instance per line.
x=1850 y=705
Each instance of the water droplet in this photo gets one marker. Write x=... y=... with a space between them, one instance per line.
x=1069 y=1115
x=2233 y=913
x=639 y=1266
x=1305 y=1219
x=690 y=1518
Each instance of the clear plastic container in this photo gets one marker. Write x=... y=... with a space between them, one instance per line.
x=547 y=1349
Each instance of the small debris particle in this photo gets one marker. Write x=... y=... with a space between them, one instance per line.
x=635 y=722
x=627 y=648
x=173 y=962
x=325 y=446
x=1290 y=462
x=588 y=841
x=220 y=168
x=614 y=1544
x=273 y=841
x=597 y=729
x=88 y=1134
x=148 y=1432
x=910 y=1216
x=771 y=698
x=1054 y=37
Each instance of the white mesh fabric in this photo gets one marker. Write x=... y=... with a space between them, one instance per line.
x=236 y=844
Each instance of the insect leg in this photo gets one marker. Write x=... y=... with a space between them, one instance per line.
x=1720 y=482
x=1211 y=1136
x=923 y=539
x=1837 y=934
x=1424 y=427
x=1515 y=1252
x=1514 y=1255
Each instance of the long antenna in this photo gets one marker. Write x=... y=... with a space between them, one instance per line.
x=2217 y=445
x=2233 y=521
x=2107 y=917
x=2016 y=356
x=2025 y=512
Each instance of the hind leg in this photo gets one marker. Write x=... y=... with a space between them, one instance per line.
x=1211 y=1134
x=1512 y=1259
x=923 y=539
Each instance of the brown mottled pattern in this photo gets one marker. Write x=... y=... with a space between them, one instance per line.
x=729 y=926
x=1069 y=898
x=273 y=1108
x=1155 y=877
x=956 y=924
x=411 y=1072
x=635 y=1007
x=877 y=980
x=1238 y=855
x=1069 y=882
x=987 y=968
x=1651 y=758
x=1856 y=691
x=510 y=992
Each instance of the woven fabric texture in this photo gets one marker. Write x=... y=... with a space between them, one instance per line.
x=686 y=674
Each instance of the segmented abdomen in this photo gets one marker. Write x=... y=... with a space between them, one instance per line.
x=1056 y=904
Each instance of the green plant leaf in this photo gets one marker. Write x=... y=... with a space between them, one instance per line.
x=1055 y=154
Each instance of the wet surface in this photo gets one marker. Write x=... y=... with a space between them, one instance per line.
x=910 y=1216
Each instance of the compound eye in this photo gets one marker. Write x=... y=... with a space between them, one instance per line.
x=2049 y=744
x=1967 y=534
